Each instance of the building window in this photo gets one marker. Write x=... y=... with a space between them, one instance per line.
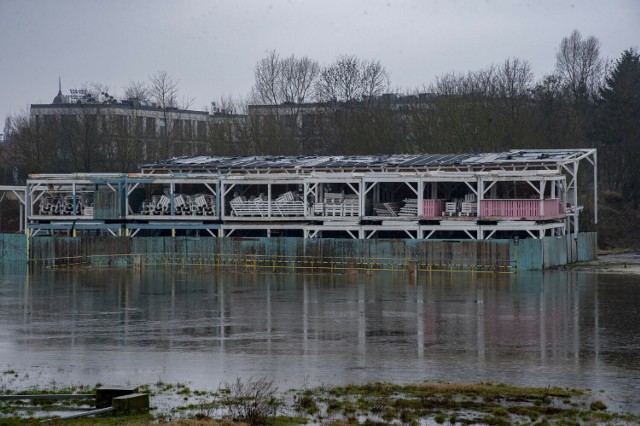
x=139 y=126
x=49 y=120
x=290 y=122
x=69 y=122
x=150 y=127
x=188 y=135
x=177 y=129
x=122 y=125
x=202 y=130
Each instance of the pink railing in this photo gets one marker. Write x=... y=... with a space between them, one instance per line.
x=527 y=209
x=432 y=208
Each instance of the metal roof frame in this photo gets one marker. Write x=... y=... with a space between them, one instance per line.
x=553 y=158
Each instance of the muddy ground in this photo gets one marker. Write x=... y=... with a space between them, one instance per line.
x=623 y=263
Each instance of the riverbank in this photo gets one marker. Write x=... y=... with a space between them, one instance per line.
x=618 y=263
x=258 y=401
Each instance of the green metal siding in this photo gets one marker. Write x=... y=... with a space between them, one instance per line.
x=13 y=253
x=554 y=251
x=466 y=255
x=587 y=246
x=13 y=247
x=529 y=254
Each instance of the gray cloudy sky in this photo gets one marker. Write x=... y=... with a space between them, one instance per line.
x=211 y=46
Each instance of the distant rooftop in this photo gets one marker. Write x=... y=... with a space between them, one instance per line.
x=84 y=99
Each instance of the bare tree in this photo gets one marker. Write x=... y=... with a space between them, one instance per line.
x=252 y=400
x=514 y=78
x=163 y=90
x=284 y=84
x=579 y=65
x=226 y=128
x=298 y=78
x=350 y=78
x=280 y=80
x=34 y=147
x=230 y=105
x=375 y=79
x=268 y=75
x=448 y=84
x=481 y=83
x=137 y=90
x=488 y=109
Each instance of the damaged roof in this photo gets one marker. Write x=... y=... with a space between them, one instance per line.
x=366 y=162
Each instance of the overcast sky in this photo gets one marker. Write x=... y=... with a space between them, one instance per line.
x=212 y=46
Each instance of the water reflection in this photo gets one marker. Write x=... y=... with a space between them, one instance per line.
x=552 y=328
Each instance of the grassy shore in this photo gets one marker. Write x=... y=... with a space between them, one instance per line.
x=260 y=402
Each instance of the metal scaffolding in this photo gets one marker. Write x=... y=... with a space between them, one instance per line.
x=524 y=193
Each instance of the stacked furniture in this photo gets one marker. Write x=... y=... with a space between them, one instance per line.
x=337 y=204
x=183 y=205
x=410 y=207
x=287 y=204
x=64 y=205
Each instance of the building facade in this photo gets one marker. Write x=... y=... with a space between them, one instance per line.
x=132 y=119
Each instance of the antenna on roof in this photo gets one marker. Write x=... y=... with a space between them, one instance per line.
x=59 y=84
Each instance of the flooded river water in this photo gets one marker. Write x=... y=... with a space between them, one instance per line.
x=122 y=327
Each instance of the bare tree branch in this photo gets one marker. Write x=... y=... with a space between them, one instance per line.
x=163 y=90
x=579 y=65
x=137 y=90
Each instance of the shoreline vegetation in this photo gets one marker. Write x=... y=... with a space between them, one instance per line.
x=257 y=401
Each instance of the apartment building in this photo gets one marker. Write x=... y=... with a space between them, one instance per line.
x=131 y=118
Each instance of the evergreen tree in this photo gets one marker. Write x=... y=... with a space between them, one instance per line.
x=619 y=126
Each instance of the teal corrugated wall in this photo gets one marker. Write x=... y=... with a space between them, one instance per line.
x=485 y=255
x=529 y=254
x=587 y=246
x=13 y=253
x=554 y=251
x=551 y=252
x=13 y=247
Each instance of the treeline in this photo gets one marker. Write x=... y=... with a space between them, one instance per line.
x=298 y=106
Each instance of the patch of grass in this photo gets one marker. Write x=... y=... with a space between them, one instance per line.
x=306 y=403
x=371 y=404
x=333 y=404
x=500 y=411
x=493 y=421
x=285 y=421
x=408 y=416
x=532 y=413
x=252 y=400
x=440 y=418
x=146 y=389
x=389 y=414
x=369 y=422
